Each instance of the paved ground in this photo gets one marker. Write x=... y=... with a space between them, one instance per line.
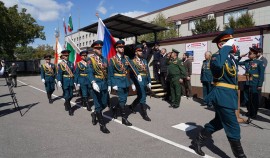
x=46 y=130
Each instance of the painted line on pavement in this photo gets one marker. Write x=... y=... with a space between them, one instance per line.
x=135 y=128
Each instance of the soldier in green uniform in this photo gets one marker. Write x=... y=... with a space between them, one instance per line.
x=141 y=65
x=118 y=79
x=206 y=76
x=253 y=86
x=223 y=96
x=81 y=78
x=176 y=73
x=48 y=73
x=65 y=78
x=98 y=78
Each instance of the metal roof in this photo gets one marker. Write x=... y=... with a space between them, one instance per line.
x=121 y=26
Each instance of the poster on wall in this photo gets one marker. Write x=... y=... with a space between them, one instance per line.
x=196 y=51
x=243 y=44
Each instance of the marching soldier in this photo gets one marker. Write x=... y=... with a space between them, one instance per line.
x=82 y=80
x=98 y=79
x=224 y=69
x=253 y=86
x=141 y=65
x=118 y=69
x=65 y=78
x=47 y=74
x=176 y=73
x=206 y=76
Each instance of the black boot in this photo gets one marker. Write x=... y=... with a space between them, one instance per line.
x=198 y=142
x=50 y=98
x=144 y=113
x=114 y=112
x=83 y=102
x=124 y=117
x=87 y=104
x=94 y=118
x=237 y=149
x=70 y=110
x=132 y=108
x=66 y=105
x=101 y=123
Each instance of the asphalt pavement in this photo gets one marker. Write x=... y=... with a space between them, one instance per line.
x=46 y=130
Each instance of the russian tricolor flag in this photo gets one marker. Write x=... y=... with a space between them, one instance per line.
x=108 y=50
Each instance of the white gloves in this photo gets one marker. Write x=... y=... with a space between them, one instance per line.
x=115 y=88
x=78 y=85
x=139 y=78
x=229 y=42
x=133 y=87
x=95 y=87
x=149 y=85
x=59 y=84
x=109 y=89
x=43 y=80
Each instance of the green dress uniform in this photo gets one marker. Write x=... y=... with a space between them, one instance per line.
x=141 y=87
x=81 y=77
x=118 y=70
x=223 y=97
x=206 y=79
x=255 y=75
x=66 y=77
x=176 y=71
x=48 y=73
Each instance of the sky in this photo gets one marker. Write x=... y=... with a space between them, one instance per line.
x=50 y=13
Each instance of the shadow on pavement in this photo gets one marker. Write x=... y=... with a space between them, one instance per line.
x=208 y=143
x=9 y=111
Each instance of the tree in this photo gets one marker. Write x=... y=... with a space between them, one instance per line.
x=203 y=26
x=24 y=52
x=17 y=29
x=42 y=50
x=244 y=21
x=160 y=20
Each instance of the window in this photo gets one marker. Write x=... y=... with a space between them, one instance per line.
x=83 y=44
x=77 y=45
x=86 y=36
x=80 y=44
x=234 y=14
x=86 y=42
x=82 y=37
x=191 y=25
x=77 y=38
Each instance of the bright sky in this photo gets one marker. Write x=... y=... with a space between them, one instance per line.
x=50 y=13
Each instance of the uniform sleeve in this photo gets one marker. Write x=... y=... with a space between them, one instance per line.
x=110 y=72
x=60 y=73
x=261 y=74
x=54 y=71
x=42 y=73
x=76 y=73
x=189 y=66
x=91 y=73
x=201 y=76
x=132 y=67
x=218 y=59
x=183 y=72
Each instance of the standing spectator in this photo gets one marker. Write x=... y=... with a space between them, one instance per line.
x=206 y=76
x=261 y=57
x=146 y=51
x=156 y=54
x=163 y=68
x=186 y=90
x=13 y=73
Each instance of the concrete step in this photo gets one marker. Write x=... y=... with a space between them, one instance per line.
x=160 y=94
x=156 y=86
x=157 y=90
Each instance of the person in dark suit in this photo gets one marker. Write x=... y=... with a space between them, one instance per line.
x=163 y=69
x=48 y=74
x=146 y=51
x=13 y=73
x=186 y=85
x=223 y=96
x=261 y=57
x=156 y=63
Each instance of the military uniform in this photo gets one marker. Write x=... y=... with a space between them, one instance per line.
x=223 y=97
x=66 y=79
x=176 y=71
x=48 y=73
x=186 y=85
x=255 y=75
x=98 y=69
x=82 y=80
x=141 y=87
x=206 y=79
x=119 y=66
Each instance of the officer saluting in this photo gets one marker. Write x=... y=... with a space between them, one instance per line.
x=118 y=69
x=254 y=69
x=98 y=78
x=81 y=78
x=176 y=73
x=65 y=78
x=223 y=96
x=141 y=65
x=47 y=74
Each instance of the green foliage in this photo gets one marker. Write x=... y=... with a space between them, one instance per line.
x=17 y=29
x=244 y=21
x=160 y=20
x=29 y=53
x=203 y=26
